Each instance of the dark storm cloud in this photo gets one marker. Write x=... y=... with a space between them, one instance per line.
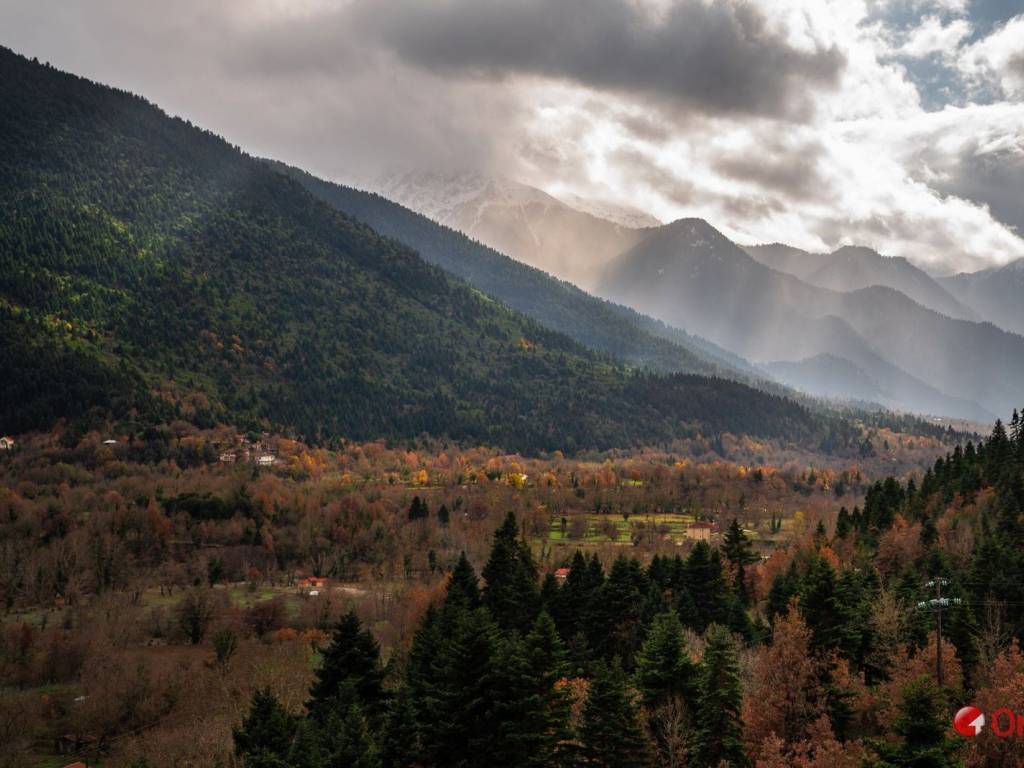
x=992 y=178
x=717 y=57
x=792 y=171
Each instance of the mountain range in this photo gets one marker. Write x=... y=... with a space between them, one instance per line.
x=690 y=275
x=851 y=267
x=995 y=294
x=150 y=271
x=849 y=325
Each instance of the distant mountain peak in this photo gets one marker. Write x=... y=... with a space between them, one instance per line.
x=617 y=213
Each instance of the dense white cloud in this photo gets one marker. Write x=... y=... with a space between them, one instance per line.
x=933 y=36
x=812 y=121
x=998 y=59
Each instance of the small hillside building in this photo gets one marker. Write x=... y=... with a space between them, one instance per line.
x=701 y=531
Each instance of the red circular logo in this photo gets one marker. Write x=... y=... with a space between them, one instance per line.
x=969 y=721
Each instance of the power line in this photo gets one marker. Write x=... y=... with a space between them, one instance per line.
x=938 y=604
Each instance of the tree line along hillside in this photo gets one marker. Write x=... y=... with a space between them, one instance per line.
x=150 y=270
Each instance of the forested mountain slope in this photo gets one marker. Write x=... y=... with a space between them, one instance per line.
x=149 y=269
x=555 y=304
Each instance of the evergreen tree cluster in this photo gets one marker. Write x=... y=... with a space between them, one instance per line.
x=837 y=605
x=488 y=680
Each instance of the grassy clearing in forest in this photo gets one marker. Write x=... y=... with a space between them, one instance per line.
x=616 y=528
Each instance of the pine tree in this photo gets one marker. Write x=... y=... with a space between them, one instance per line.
x=621 y=611
x=922 y=726
x=576 y=610
x=463 y=586
x=350 y=668
x=739 y=552
x=399 y=742
x=306 y=751
x=418 y=509
x=962 y=630
x=784 y=587
x=718 y=734
x=663 y=668
x=667 y=680
x=818 y=604
x=611 y=733
x=455 y=705
x=549 y=593
x=265 y=738
x=531 y=710
x=707 y=586
x=346 y=738
x=843 y=524
x=510 y=592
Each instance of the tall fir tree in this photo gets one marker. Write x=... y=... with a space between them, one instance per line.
x=705 y=582
x=922 y=727
x=510 y=576
x=739 y=551
x=718 y=736
x=621 y=610
x=667 y=680
x=346 y=738
x=531 y=709
x=463 y=585
x=350 y=668
x=265 y=737
x=611 y=733
x=399 y=741
x=455 y=703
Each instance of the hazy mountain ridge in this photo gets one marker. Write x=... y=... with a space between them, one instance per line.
x=853 y=267
x=995 y=294
x=515 y=219
x=689 y=274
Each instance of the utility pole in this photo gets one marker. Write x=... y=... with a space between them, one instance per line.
x=938 y=604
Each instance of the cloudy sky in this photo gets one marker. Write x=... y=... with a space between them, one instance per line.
x=892 y=123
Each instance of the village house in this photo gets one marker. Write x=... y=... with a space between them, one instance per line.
x=6 y=443
x=701 y=531
x=561 y=574
x=266 y=460
x=312 y=586
x=228 y=457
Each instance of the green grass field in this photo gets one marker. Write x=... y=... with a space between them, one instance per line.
x=616 y=529
x=593 y=528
